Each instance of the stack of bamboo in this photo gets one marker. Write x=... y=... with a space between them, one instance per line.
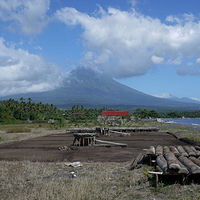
x=177 y=160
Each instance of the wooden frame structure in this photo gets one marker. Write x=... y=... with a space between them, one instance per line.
x=84 y=139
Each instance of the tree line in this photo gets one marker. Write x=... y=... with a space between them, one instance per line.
x=144 y=113
x=21 y=110
x=12 y=111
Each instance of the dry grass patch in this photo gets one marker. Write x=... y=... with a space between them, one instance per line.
x=27 y=180
x=16 y=132
x=34 y=180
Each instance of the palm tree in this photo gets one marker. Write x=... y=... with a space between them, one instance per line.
x=29 y=102
x=22 y=102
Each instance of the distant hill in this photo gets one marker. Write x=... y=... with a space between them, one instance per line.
x=174 y=98
x=91 y=89
x=185 y=100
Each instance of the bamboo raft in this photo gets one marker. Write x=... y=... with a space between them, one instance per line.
x=171 y=160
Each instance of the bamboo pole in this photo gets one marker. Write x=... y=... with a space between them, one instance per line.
x=172 y=161
x=195 y=150
x=137 y=161
x=159 y=150
x=194 y=160
x=174 y=150
x=162 y=163
x=182 y=151
x=166 y=150
x=189 y=151
x=193 y=168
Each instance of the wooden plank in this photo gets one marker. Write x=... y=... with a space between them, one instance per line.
x=152 y=172
x=121 y=133
x=113 y=143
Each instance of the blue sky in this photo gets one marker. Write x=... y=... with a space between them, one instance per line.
x=150 y=45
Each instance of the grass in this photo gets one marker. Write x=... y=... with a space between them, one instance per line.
x=21 y=180
x=16 y=132
x=33 y=180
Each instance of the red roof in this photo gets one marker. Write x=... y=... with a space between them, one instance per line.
x=115 y=113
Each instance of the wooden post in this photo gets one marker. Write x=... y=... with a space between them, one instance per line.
x=156 y=180
x=156 y=173
x=150 y=158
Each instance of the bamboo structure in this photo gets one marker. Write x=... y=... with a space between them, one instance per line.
x=180 y=160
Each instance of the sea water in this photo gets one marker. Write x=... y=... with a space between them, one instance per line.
x=190 y=121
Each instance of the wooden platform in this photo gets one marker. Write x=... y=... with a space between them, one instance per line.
x=119 y=129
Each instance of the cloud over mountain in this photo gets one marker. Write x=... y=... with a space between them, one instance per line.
x=115 y=42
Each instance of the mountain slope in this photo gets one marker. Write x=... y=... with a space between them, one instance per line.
x=85 y=87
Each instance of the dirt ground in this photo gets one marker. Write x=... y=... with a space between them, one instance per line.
x=45 y=149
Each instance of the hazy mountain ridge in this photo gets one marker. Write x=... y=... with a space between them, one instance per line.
x=88 y=88
x=175 y=98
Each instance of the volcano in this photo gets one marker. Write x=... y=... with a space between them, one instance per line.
x=91 y=89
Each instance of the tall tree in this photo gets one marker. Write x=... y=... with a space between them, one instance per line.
x=29 y=106
x=22 y=107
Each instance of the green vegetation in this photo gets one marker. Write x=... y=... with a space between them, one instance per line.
x=12 y=111
x=144 y=113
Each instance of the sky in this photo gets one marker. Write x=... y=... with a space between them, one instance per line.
x=149 y=45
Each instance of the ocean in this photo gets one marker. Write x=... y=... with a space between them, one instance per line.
x=190 y=121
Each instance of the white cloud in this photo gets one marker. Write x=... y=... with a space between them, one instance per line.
x=133 y=2
x=196 y=99
x=38 y=47
x=156 y=59
x=29 y=15
x=164 y=95
x=176 y=61
x=124 y=44
x=22 y=72
x=189 y=63
x=198 y=60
